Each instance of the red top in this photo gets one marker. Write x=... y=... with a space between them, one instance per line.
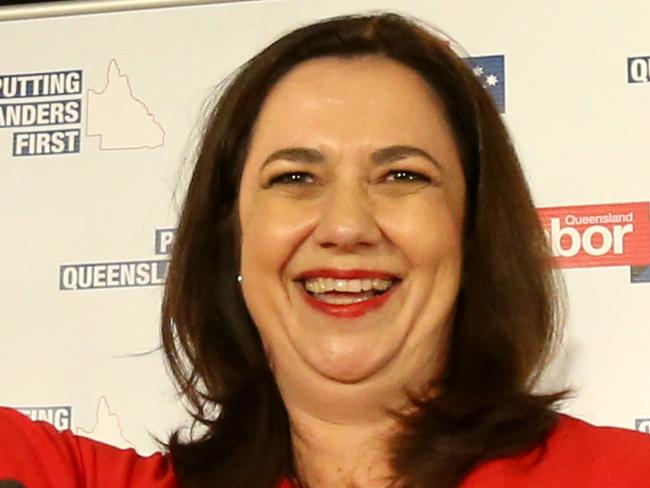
x=577 y=455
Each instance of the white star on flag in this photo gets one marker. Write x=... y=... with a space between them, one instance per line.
x=491 y=80
x=478 y=70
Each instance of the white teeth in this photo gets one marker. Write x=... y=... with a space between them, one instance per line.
x=342 y=300
x=326 y=285
x=381 y=285
x=354 y=286
x=341 y=285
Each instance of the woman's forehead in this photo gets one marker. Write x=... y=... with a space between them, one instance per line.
x=349 y=99
x=367 y=80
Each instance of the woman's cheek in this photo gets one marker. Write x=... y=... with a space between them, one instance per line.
x=422 y=223
x=275 y=230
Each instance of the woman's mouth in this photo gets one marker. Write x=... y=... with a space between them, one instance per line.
x=347 y=298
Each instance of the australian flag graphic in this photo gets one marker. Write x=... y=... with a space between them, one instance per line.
x=491 y=73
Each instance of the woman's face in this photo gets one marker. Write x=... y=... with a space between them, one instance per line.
x=351 y=207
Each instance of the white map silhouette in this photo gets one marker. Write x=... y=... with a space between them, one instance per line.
x=121 y=120
x=107 y=428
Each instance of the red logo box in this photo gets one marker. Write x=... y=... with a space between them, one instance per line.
x=615 y=234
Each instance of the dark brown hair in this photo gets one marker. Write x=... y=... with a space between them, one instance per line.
x=507 y=310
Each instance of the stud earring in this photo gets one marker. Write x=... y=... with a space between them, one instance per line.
x=239 y=279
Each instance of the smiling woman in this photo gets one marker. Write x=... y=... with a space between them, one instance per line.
x=397 y=302
x=340 y=176
x=351 y=216
x=360 y=292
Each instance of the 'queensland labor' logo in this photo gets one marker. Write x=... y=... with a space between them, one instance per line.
x=599 y=235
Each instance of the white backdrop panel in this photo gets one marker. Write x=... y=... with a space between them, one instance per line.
x=579 y=124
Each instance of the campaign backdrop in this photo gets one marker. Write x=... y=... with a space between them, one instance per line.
x=99 y=118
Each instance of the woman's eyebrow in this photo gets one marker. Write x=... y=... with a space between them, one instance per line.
x=395 y=153
x=297 y=154
x=387 y=154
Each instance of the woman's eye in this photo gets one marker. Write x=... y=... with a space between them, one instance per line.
x=407 y=176
x=294 y=178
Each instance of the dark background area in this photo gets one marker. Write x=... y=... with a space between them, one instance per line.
x=4 y=3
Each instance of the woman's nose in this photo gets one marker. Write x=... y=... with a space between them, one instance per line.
x=347 y=222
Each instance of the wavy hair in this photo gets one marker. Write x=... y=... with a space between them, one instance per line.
x=507 y=311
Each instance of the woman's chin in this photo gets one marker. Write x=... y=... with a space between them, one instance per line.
x=349 y=367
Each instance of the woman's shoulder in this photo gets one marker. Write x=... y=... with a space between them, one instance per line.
x=38 y=456
x=612 y=453
x=572 y=432
x=576 y=453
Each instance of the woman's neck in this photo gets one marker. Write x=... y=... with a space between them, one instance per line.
x=330 y=454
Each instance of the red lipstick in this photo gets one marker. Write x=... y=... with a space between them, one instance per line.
x=351 y=310
x=346 y=274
